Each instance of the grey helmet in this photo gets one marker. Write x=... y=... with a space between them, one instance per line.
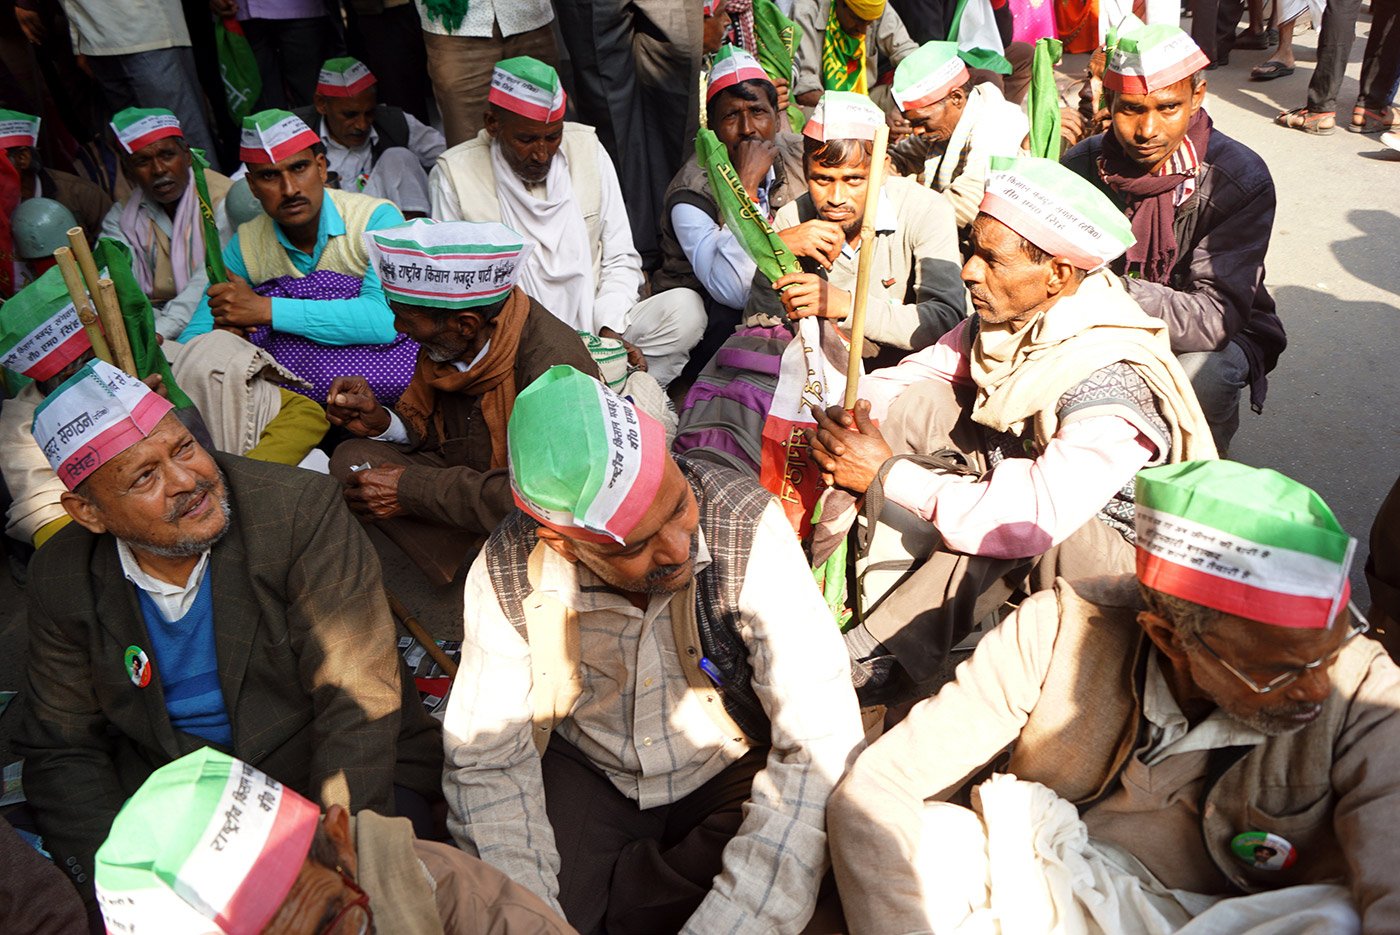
x=40 y=226
x=241 y=205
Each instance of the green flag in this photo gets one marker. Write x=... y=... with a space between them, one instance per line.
x=213 y=253
x=750 y=228
x=115 y=257
x=1043 y=102
x=776 y=37
x=975 y=31
x=237 y=67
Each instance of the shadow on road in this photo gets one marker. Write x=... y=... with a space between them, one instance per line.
x=1371 y=255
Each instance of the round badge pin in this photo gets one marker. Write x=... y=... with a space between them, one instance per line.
x=138 y=666
x=1264 y=851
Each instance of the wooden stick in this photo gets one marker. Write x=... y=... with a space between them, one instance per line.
x=73 y=279
x=108 y=311
x=116 y=333
x=867 y=260
x=415 y=629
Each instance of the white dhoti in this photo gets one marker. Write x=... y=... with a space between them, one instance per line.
x=664 y=328
x=1026 y=865
x=399 y=177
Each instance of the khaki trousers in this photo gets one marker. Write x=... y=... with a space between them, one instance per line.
x=460 y=68
x=927 y=614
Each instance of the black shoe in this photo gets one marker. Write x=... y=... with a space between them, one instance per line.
x=1220 y=61
x=1257 y=41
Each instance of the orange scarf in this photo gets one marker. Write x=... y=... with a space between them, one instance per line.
x=493 y=379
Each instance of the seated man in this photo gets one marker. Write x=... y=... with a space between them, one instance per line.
x=643 y=733
x=380 y=150
x=436 y=483
x=915 y=293
x=1053 y=397
x=267 y=860
x=697 y=250
x=19 y=134
x=1202 y=207
x=234 y=385
x=956 y=126
x=553 y=182
x=1210 y=740
x=160 y=220
x=844 y=45
x=308 y=230
x=201 y=600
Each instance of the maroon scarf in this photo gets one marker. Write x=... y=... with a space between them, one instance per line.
x=1150 y=205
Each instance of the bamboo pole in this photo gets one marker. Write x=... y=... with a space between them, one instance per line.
x=867 y=260
x=73 y=279
x=108 y=309
x=415 y=629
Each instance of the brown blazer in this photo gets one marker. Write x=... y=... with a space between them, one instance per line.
x=307 y=659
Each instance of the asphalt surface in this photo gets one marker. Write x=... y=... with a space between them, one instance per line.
x=1333 y=414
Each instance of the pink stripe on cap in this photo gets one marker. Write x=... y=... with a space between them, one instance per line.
x=114 y=440
x=272 y=875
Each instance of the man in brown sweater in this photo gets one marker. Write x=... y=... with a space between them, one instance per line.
x=433 y=467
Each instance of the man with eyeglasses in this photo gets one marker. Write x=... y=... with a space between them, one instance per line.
x=1166 y=731
x=210 y=844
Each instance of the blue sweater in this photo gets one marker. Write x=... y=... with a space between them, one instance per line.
x=183 y=653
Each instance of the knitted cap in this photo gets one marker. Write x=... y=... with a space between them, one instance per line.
x=1151 y=58
x=928 y=75
x=273 y=135
x=1246 y=541
x=136 y=127
x=528 y=87
x=582 y=459
x=344 y=77
x=18 y=129
x=843 y=115
x=207 y=844
x=453 y=264
x=95 y=415
x=733 y=66
x=40 y=333
x=1057 y=210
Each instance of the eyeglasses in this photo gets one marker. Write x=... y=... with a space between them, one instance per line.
x=356 y=914
x=1359 y=625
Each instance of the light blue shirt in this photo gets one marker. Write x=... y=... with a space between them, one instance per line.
x=366 y=319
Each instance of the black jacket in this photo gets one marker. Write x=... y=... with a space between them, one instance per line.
x=1216 y=293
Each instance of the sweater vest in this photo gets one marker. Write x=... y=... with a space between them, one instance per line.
x=266 y=258
x=184 y=657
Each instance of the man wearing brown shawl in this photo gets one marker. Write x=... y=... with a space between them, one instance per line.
x=434 y=467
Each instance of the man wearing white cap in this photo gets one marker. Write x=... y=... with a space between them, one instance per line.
x=377 y=149
x=1202 y=210
x=843 y=47
x=201 y=600
x=431 y=473
x=266 y=859
x=1209 y=745
x=552 y=181
x=160 y=220
x=653 y=703
x=1017 y=434
x=956 y=127
x=19 y=134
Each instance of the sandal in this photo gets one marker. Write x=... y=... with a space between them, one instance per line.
x=1318 y=124
x=1365 y=120
x=1268 y=71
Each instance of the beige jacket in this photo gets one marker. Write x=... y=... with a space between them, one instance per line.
x=34 y=488
x=1061 y=680
x=886 y=45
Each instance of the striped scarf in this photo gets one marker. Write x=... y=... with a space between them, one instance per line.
x=843 y=57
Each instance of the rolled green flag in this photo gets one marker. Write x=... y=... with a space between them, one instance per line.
x=213 y=253
x=114 y=257
x=1043 y=102
x=776 y=37
x=750 y=228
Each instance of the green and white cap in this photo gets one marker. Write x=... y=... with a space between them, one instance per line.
x=40 y=333
x=18 y=129
x=136 y=127
x=733 y=65
x=344 y=77
x=273 y=135
x=1151 y=58
x=1246 y=541
x=928 y=75
x=528 y=87
x=447 y=264
x=1056 y=209
x=207 y=844
x=843 y=115
x=583 y=460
